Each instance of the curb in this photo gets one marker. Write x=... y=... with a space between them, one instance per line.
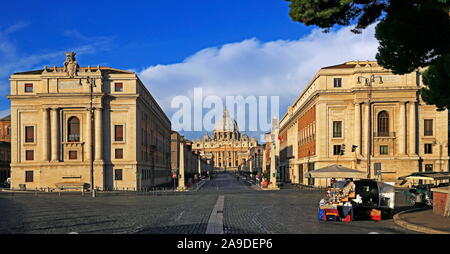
x=413 y=227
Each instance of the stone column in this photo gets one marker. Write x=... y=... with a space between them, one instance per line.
x=412 y=128
x=366 y=130
x=45 y=137
x=358 y=127
x=98 y=134
x=54 y=135
x=181 y=171
x=402 y=129
x=89 y=136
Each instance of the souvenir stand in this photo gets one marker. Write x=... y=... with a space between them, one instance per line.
x=336 y=206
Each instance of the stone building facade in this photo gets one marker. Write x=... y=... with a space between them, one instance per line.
x=54 y=139
x=329 y=124
x=227 y=148
x=187 y=164
x=5 y=148
x=254 y=163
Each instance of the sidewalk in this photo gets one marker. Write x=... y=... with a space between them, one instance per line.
x=424 y=221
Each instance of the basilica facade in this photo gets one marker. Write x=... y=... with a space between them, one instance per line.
x=226 y=147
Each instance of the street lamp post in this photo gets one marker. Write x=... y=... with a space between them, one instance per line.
x=368 y=82
x=91 y=82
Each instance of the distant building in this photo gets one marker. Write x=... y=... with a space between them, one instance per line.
x=227 y=148
x=193 y=165
x=254 y=163
x=5 y=148
x=331 y=116
x=51 y=129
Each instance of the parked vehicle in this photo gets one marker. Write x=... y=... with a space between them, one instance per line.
x=420 y=193
x=6 y=184
x=374 y=195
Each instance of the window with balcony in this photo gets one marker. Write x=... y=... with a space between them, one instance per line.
x=73 y=129
x=383 y=124
x=428 y=127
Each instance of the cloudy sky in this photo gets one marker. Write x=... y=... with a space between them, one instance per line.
x=227 y=48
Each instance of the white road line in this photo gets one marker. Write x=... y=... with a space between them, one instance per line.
x=215 y=223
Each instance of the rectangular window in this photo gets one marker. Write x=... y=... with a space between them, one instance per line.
x=73 y=155
x=429 y=168
x=428 y=127
x=428 y=148
x=29 y=134
x=384 y=150
x=338 y=82
x=29 y=176
x=28 y=88
x=119 y=153
x=337 y=129
x=29 y=155
x=118 y=132
x=337 y=150
x=118 y=87
x=118 y=174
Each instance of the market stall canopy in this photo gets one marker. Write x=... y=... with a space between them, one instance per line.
x=336 y=171
x=430 y=176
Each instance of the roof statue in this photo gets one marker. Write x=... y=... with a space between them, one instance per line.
x=71 y=66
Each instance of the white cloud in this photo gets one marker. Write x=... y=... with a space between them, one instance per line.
x=12 y=60
x=252 y=67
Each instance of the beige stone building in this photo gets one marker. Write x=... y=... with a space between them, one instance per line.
x=52 y=145
x=227 y=148
x=334 y=114
x=254 y=163
x=187 y=164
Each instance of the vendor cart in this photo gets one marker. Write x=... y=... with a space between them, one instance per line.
x=369 y=196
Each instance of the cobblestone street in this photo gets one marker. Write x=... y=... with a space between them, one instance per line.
x=245 y=211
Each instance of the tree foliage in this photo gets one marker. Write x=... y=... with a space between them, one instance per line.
x=437 y=78
x=412 y=33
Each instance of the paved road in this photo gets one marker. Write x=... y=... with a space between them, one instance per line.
x=245 y=210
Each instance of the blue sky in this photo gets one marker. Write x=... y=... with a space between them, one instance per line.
x=164 y=40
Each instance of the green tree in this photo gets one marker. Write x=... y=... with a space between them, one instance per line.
x=412 y=34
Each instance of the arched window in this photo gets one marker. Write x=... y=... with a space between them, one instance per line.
x=74 y=129
x=383 y=124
